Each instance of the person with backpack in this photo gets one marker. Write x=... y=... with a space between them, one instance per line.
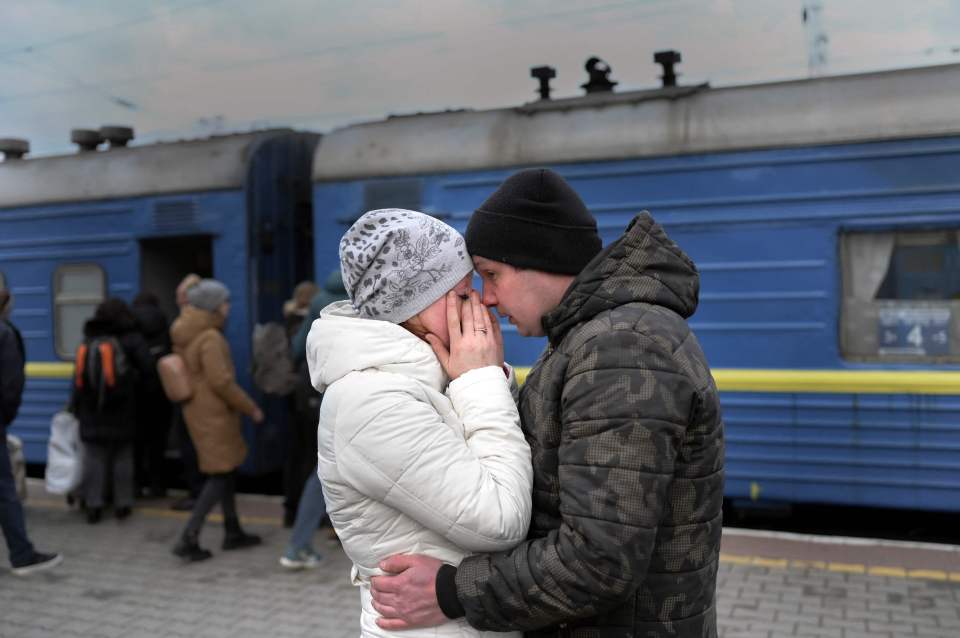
x=112 y=365
x=212 y=414
x=153 y=409
x=24 y=558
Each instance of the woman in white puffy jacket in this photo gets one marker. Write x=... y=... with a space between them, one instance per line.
x=420 y=447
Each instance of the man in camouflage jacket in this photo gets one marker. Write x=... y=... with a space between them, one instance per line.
x=623 y=420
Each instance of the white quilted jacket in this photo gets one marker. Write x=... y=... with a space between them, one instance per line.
x=407 y=467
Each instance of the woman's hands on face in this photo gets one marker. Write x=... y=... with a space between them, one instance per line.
x=475 y=337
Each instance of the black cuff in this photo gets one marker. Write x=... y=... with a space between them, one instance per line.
x=446 y=585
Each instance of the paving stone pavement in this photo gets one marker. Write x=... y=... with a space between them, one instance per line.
x=119 y=579
x=762 y=602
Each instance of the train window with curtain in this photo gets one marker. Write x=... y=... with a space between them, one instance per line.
x=77 y=291
x=901 y=296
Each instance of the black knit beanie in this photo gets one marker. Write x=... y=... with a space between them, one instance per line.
x=535 y=220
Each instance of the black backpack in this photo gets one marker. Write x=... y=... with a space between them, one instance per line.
x=102 y=372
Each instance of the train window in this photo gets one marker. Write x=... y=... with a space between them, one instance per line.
x=78 y=289
x=901 y=296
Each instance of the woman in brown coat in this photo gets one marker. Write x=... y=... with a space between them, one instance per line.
x=212 y=414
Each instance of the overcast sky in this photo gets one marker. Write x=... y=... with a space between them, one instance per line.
x=188 y=68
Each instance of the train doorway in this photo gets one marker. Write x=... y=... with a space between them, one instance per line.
x=165 y=261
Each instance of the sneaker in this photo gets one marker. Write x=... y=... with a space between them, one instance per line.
x=39 y=562
x=122 y=512
x=304 y=559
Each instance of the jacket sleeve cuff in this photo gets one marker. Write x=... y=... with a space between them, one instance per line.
x=446 y=585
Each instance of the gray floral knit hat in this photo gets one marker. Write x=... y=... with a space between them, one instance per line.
x=397 y=262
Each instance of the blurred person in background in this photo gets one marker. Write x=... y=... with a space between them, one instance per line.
x=312 y=508
x=212 y=415
x=153 y=408
x=301 y=448
x=305 y=408
x=24 y=558
x=113 y=368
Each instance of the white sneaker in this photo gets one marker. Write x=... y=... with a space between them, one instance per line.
x=304 y=559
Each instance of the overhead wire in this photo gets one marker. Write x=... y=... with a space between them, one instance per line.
x=142 y=19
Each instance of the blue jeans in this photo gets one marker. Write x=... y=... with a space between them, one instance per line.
x=309 y=514
x=11 y=512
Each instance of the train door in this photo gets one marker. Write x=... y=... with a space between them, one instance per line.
x=165 y=261
x=280 y=213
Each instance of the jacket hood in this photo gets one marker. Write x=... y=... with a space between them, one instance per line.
x=191 y=322
x=101 y=327
x=644 y=265
x=341 y=341
x=150 y=320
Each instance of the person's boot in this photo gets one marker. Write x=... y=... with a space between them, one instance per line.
x=189 y=550
x=234 y=536
x=94 y=514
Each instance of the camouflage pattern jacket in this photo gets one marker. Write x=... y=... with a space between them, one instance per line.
x=623 y=420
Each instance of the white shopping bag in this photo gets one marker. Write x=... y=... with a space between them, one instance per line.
x=64 y=455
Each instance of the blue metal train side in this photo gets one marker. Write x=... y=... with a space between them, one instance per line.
x=40 y=239
x=256 y=229
x=763 y=227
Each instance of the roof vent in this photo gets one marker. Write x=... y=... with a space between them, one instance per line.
x=544 y=74
x=667 y=59
x=14 y=148
x=599 y=77
x=87 y=139
x=117 y=136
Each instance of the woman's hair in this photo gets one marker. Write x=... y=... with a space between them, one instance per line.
x=5 y=298
x=304 y=292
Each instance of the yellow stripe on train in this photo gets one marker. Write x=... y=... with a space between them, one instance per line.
x=829 y=381
x=49 y=369
x=735 y=379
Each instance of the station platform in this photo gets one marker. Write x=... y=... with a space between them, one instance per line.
x=119 y=579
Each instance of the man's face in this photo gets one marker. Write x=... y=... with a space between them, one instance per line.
x=516 y=294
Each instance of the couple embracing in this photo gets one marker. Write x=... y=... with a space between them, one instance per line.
x=587 y=504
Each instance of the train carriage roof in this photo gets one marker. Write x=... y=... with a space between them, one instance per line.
x=214 y=163
x=865 y=107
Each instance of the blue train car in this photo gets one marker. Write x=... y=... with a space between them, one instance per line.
x=76 y=229
x=823 y=214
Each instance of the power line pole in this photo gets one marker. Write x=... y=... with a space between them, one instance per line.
x=816 y=37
